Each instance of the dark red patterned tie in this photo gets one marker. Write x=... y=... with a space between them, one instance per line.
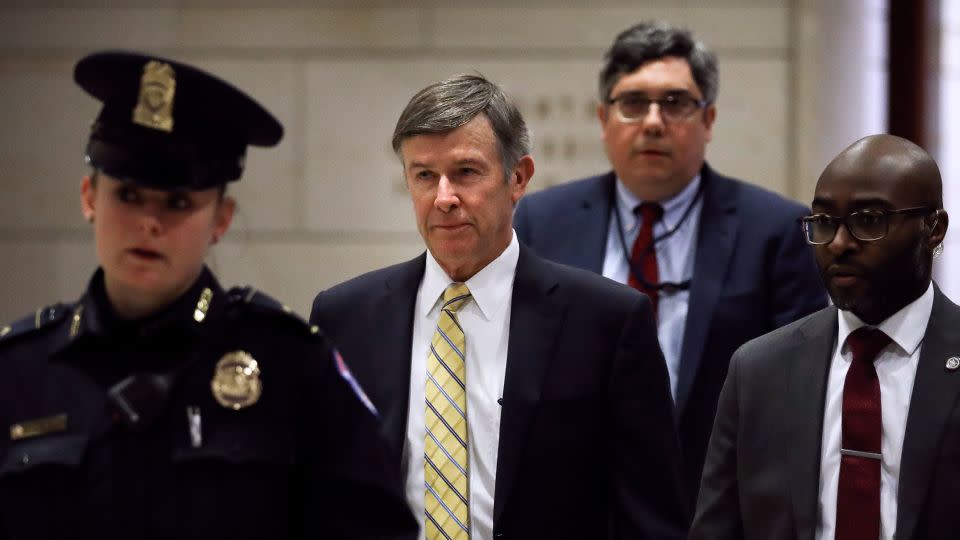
x=643 y=257
x=858 y=492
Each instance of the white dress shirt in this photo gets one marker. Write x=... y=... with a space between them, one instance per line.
x=486 y=327
x=675 y=258
x=896 y=368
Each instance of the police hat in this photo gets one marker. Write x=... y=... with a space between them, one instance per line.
x=167 y=125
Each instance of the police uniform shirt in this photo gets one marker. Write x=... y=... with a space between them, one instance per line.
x=297 y=456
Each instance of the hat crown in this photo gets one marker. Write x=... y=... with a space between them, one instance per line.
x=167 y=124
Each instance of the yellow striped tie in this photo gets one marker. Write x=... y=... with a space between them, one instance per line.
x=446 y=497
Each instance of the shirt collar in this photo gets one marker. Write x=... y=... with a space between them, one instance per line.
x=905 y=327
x=673 y=208
x=491 y=287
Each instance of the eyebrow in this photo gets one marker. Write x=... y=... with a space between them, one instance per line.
x=866 y=202
x=667 y=92
x=461 y=162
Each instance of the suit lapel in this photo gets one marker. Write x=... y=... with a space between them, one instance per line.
x=588 y=225
x=395 y=311
x=808 y=385
x=716 y=234
x=935 y=393
x=535 y=321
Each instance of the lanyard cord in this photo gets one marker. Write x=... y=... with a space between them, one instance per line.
x=665 y=286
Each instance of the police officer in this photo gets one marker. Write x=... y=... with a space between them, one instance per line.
x=160 y=405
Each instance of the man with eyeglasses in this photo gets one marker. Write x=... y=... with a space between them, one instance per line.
x=846 y=424
x=723 y=261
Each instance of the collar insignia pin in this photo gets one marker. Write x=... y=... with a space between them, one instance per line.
x=953 y=363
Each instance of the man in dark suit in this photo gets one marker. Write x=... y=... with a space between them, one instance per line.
x=525 y=399
x=846 y=424
x=723 y=262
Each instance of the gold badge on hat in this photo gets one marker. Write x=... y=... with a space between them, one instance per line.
x=155 y=105
x=236 y=380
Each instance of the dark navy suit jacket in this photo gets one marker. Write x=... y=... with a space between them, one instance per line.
x=587 y=446
x=753 y=272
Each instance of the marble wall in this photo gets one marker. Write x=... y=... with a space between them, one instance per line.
x=329 y=202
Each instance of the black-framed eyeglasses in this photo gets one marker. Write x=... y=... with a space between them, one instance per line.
x=864 y=225
x=634 y=106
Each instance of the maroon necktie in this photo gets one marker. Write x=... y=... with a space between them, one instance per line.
x=643 y=257
x=858 y=492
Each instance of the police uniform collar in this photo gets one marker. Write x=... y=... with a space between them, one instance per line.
x=94 y=316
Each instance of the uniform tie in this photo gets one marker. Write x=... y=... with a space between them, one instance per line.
x=858 y=491
x=446 y=454
x=643 y=257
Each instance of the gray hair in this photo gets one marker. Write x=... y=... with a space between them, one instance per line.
x=653 y=40
x=451 y=103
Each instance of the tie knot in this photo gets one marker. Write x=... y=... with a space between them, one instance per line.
x=650 y=212
x=866 y=342
x=454 y=296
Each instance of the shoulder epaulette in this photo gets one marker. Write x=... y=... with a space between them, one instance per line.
x=41 y=318
x=263 y=303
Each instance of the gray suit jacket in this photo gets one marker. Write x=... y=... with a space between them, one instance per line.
x=761 y=477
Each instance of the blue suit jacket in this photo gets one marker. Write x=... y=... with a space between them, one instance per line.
x=753 y=272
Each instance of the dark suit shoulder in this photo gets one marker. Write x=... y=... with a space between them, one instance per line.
x=756 y=201
x=35 y=325
x=771 y=348
x=586 y=286
x=400 y=275
x=574 y=191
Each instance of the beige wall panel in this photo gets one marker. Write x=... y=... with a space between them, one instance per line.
x=764 y=26
x=542 y=26
x=46 y=119
x=88 y=28
x=39 y=273
x=291 y=27
x=294 y=272
x=157 y=28
x=353 y=180
x=751 y=138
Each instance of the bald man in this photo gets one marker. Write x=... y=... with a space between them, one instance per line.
x=846 y=424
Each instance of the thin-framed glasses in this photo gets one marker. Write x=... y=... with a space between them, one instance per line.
x=864 y=225
x=634 y=106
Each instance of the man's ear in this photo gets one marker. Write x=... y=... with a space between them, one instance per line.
x=938 y=227
x=602 y=112
x=87 y=198
x=709 y=117
x=521 y=176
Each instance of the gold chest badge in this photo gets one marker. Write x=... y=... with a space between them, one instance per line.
x=236 y=380
x=155 y=104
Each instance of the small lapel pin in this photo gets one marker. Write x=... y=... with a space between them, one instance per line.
x=953 y=363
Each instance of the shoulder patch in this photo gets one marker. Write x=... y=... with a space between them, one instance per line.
x=41 y=318
x=344 y=372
